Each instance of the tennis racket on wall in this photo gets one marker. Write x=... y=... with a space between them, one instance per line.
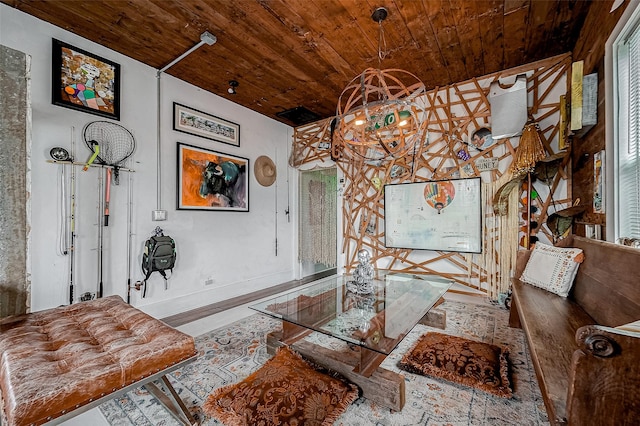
x=116 y=144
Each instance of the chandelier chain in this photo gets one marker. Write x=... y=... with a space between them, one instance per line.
x=382 y=41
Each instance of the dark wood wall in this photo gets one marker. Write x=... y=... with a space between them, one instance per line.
x=589 y=48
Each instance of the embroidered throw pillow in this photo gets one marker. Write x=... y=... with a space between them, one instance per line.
x=552 y=268
x=467 y=362
x=286 y=390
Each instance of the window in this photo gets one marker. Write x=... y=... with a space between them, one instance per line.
x=626 y=136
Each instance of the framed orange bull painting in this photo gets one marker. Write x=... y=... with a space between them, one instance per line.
x=210 y=180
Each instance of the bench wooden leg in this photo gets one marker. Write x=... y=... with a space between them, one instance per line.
x=514 y=317
x=172 y=402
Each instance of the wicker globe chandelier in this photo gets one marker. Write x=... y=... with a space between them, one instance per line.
x=380 y=112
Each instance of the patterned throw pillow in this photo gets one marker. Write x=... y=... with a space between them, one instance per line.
x=284 y=391
x=467 y=362
x=552 y=268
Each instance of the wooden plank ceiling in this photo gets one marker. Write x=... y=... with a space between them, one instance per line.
x=291 y=53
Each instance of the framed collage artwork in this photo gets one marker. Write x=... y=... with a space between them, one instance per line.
x=84 y=81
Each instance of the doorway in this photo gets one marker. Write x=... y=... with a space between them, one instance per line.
x=317 y=233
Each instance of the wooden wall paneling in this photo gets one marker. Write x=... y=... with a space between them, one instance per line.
x=598 y=24
x=453 y=113
x=590 y=47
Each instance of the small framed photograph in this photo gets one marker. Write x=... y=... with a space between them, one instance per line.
x=209 y=180
x=84 y=81
x=482 y=139
x=198 y=123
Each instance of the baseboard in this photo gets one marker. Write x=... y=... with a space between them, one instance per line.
x=230 y=303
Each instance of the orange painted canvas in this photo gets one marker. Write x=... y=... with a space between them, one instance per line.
x=209 y=180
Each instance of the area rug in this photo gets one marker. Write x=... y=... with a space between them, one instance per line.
x=230 y=354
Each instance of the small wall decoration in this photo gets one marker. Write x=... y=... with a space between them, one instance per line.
x=487 y=164
x=198 y=123
x=508 y=99
x=598 y=182
x=482 y=139
x=209 y=180
x=84 y=81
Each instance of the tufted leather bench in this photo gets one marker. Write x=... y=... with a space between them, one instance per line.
x=72 y=357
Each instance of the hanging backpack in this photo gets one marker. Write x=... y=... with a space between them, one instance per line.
x=159 y=256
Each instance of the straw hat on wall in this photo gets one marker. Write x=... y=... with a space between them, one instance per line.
x=265 y=170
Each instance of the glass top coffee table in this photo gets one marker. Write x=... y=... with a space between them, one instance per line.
x=373 y=324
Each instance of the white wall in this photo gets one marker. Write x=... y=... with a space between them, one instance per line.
x=234 y=252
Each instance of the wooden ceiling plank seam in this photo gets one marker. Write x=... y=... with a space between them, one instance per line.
x=487 y=28
x=492 y=35
x=268 y=40
x=569 y=11
x=412 y=15
x=430 y=12
x=540 y=24
x=251 y=70
x=515 y=26
x=441 y=19
x=400 y=50
x=277 y=74
x=468 y=29
x=92 y=24
x=314 y=33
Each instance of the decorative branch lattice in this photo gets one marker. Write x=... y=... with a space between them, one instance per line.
x=453 y=113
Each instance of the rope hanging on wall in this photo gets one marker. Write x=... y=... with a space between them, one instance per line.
x=529 y=151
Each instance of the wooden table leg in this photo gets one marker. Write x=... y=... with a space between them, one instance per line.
x=435 y=318
x=291 y=333
x=369 y=362
x=382 y=386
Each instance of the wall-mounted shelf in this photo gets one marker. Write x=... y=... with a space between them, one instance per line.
x=75 y=163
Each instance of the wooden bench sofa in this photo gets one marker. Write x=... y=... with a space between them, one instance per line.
x=57 y=363
x=588 y=371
